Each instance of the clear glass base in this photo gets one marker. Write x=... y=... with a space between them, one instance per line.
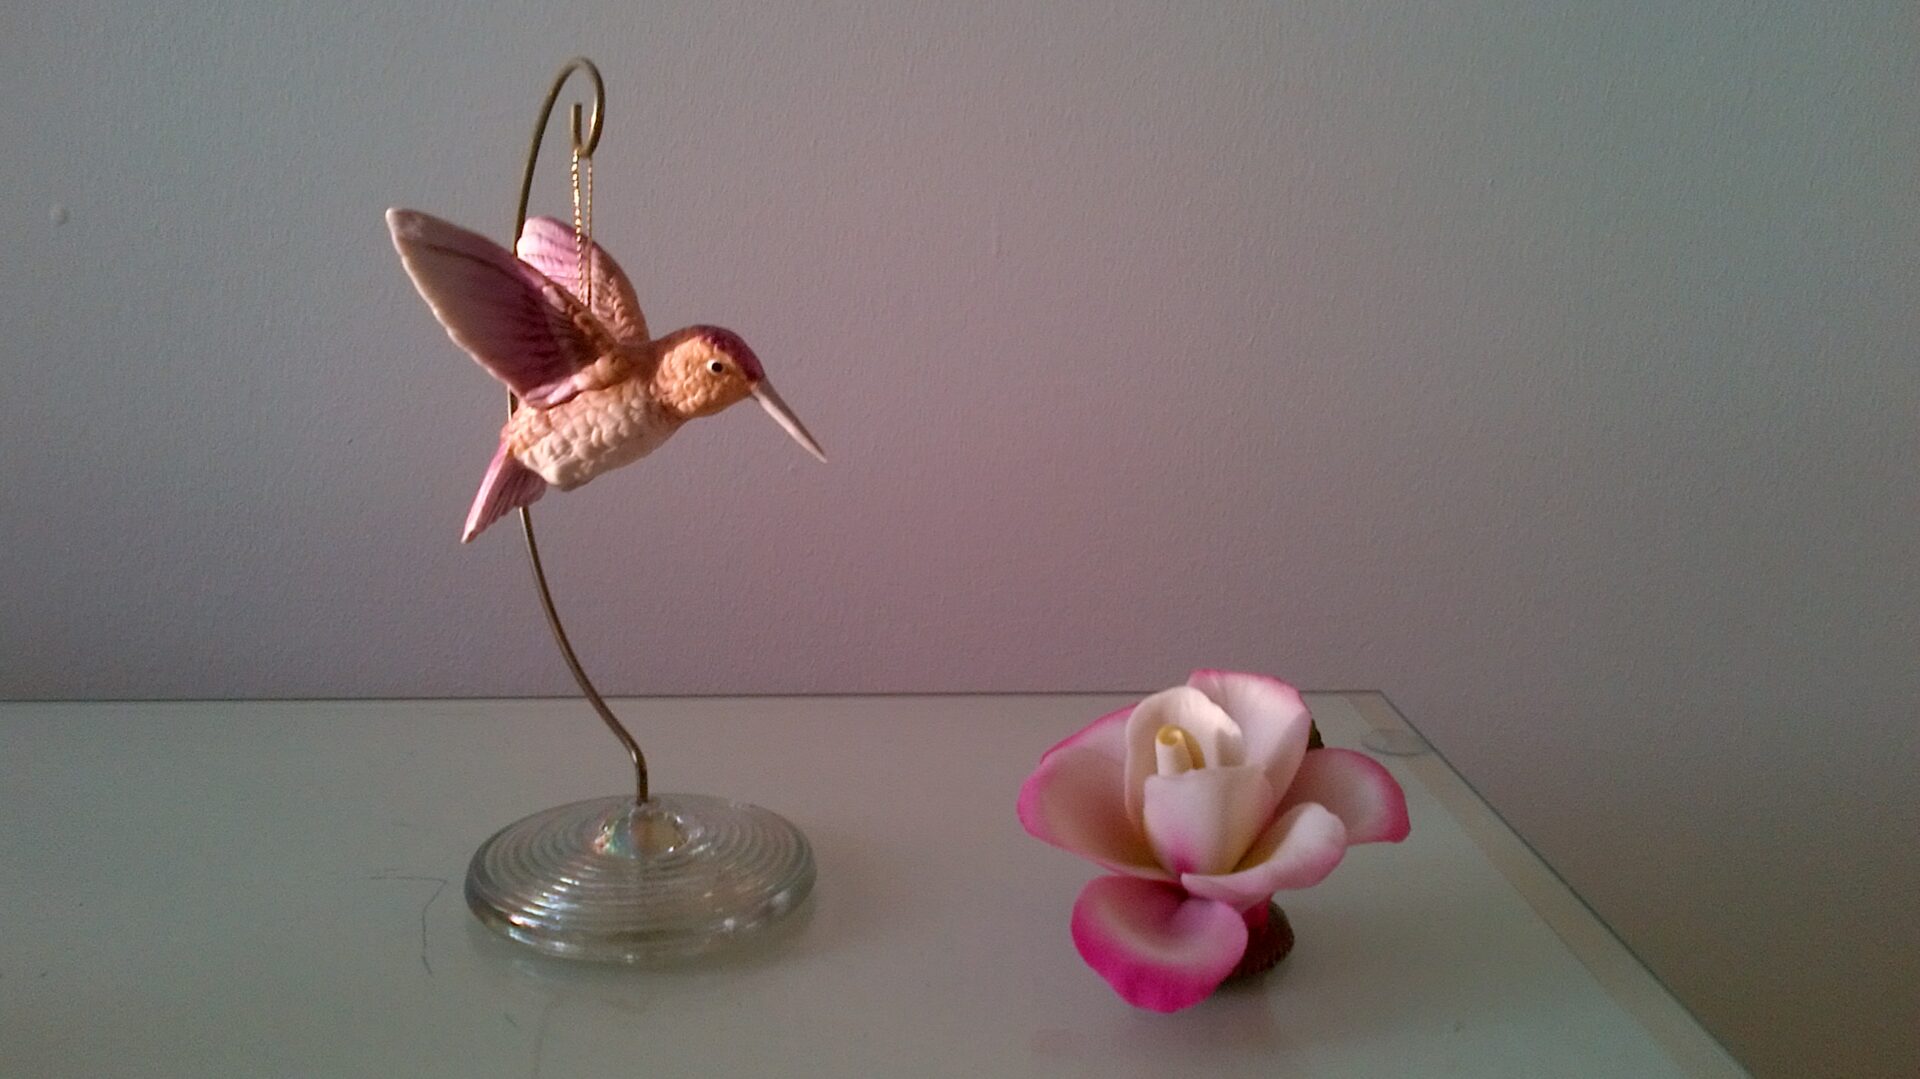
x=678 y=877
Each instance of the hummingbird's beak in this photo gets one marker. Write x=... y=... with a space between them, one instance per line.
x=782 y=415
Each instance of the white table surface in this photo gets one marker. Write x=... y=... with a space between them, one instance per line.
x=274 y=889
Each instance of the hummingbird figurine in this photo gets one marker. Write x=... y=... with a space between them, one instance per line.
x=596 y=390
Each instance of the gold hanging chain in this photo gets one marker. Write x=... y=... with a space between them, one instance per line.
x=583 y=224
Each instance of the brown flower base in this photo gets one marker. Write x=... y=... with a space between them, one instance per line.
x=1269 y=939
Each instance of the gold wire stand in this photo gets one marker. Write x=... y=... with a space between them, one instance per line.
x=654 y=877
x=583 y=147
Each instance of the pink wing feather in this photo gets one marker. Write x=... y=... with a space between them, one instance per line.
x=507 y=486
x=548 y=245
x=523 y=327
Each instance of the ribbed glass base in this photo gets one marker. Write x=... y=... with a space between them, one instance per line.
x=680 y=876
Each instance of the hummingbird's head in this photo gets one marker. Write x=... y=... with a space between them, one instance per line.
x=703 y=369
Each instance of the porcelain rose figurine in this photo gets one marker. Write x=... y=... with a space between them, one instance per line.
x=1203 y=800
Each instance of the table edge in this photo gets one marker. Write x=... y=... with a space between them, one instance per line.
x=1620 y=973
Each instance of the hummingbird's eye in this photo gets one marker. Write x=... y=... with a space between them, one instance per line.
x=716 y=367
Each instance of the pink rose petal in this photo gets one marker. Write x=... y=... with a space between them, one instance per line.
x=1357 y=789
x=1158 y=947
x=1297 y=850
x=1273 y=720
x=1203 y=821
x=1073 y=801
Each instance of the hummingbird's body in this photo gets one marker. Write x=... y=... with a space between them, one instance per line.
x=596 y=392
x=596 y=432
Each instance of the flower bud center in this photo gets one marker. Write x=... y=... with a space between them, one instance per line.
x=1175 y=751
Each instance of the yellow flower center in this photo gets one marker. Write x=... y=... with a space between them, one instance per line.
x=1175 y=751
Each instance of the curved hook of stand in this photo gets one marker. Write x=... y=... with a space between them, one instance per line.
x=583 y=144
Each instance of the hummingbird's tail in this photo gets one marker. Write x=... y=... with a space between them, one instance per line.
x=507 y=486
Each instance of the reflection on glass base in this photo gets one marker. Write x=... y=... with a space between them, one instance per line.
x=682 y=875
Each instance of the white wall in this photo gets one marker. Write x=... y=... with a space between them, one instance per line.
x=1551 y=366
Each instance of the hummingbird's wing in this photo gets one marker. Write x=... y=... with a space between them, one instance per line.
x=524 y=328
x=548 y=245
